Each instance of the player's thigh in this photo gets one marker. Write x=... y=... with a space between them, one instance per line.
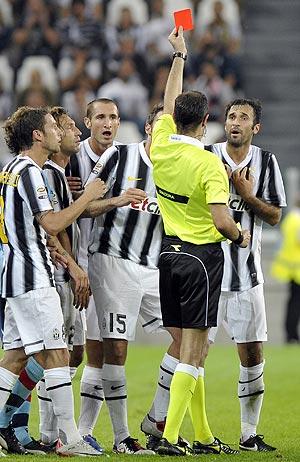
x=69 y=312
x=150 y=311
x=80 y=328
x=92 y=322
x=226 y=299
x=246 y=316
x=117 y=293
x=11 y=335
x=39 y=320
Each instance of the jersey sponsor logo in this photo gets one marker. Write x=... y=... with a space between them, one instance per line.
x=172 y=196
x=42 y=192
x=149 y=205
x=166 y=194
x=133 y=178
x=237 y=204
x=9 y=178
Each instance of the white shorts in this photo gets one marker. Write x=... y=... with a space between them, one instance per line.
x=92 y=326
x=69 y=312
x=243 y=315
x=34 y=321
x=80 y=328
x=124 y=291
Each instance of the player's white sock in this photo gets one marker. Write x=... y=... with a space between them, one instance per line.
x=7 y=381
x=161 y=400
x=58 y=385
x=250 y=392
x=92 y=397
x=115 y=392
x=48 y=420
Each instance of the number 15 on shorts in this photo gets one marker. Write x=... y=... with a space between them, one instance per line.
x=117 y=323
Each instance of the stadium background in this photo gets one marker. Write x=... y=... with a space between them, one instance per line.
x=71 y=51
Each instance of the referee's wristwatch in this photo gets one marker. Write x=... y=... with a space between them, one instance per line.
x=239 y=240
x=180 y=54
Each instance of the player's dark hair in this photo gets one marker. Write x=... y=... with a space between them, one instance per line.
x=190 y=109
x=254 y=103
x=90 y=106
x=155 y=110
x=57 y=112
x=19 y=126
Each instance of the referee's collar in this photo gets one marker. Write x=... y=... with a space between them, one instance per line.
x=186 y=139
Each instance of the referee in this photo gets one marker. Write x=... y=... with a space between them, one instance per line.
x=192 y=190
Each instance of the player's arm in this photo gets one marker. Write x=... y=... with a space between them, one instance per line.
x=54 y=222
x=81 y=288
x=243 y=184
x=174 y=82
x=227 y=226
x=102 y=206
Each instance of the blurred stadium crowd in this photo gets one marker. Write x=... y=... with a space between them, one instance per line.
x=70 y=51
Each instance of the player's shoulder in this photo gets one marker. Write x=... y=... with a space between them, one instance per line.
x=24 y=165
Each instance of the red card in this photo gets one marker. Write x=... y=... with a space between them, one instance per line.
x=184 y=18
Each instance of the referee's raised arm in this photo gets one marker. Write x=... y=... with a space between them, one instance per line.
x=174 y=82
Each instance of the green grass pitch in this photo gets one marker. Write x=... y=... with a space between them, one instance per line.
x=280 y=420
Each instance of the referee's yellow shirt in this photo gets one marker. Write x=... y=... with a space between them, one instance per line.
x=187 y=180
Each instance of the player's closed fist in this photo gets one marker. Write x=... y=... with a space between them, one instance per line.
x=96 y=189
x=247 y=236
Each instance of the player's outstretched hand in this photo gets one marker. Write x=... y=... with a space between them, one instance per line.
x=130 y=195
x=95 y=189
x=247 y=236
x=177 y=41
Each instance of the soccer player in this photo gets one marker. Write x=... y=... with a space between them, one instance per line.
x=192 y=190
x=125 y=244
x=69 y=239
x=34 y=321
x=102 y=119
x=61 y=198
x=256 y=196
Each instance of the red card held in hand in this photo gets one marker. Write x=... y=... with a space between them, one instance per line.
x=184 y=18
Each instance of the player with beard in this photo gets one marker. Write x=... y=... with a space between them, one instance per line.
x=256 y=196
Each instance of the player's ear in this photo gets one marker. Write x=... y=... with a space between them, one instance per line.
x=148 y=129
x=205 y=120
x=256 y=129
x=37 y=135
x=87 y=122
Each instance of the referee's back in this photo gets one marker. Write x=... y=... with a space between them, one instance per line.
x=187 y=179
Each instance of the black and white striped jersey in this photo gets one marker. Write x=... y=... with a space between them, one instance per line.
x=133 y=232
x=242 y=268
x=61 y=199
x=23 y=195
x=81 y=165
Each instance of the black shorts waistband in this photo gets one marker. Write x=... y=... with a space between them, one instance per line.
x=177 y=240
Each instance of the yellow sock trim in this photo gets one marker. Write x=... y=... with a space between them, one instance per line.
x=198 y=414
x=181 y=392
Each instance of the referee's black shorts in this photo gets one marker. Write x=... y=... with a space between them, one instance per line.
x=190 y=279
